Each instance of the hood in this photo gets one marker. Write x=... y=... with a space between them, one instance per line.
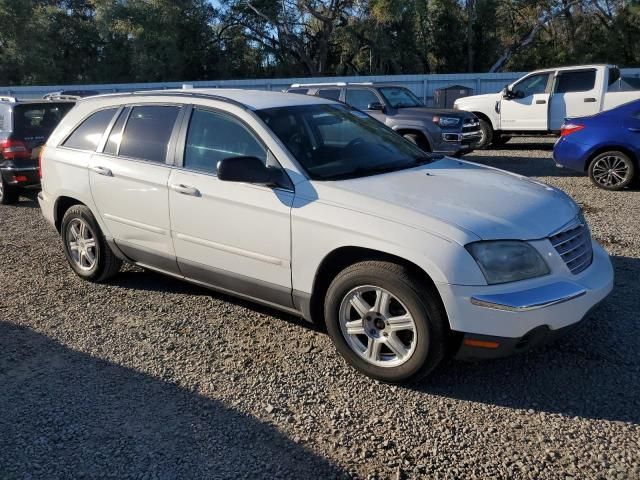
x=477 y=98
x=421 y=112
x=490 y=203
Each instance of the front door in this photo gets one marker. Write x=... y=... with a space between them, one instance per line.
x=233 y=236
x=129 y=184
x=528 y=109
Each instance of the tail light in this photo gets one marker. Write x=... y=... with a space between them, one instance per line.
x=40 y=155
x=12 y=149
x=569 y=128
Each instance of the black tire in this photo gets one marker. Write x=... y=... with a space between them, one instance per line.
x=8 y=195
x=418 y=140
x=106 y=264
x=597 y=170
x=421 y=303
x=487 y=136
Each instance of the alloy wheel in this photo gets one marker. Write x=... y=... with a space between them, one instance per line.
x=610 y=171
x=377 y=326
x=81 y=242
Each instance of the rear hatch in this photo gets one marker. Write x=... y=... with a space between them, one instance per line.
x=32 y=124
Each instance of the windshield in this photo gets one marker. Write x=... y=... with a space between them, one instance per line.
x=400 y=97
x=335 y=142
x=38 y=119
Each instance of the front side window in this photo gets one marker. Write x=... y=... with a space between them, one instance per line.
x=330 y=93
x=335 y=142
x=88 y=134
x=576 y=81
x=147 y=133
x=532 y=85
x=361 y=98
x=214 y=136
x=400 y=97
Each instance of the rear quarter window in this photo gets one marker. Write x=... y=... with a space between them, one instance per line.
x=88 y=134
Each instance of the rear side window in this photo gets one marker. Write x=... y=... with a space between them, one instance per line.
x=115 y=136
x=88 y=134
x=38 y=119
x=361 y=98
x=576 y=81
x=330 y=93
x=302 y=91
x=213 y=137
x=147 y=133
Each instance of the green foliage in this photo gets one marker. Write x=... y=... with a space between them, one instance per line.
x=103 y=41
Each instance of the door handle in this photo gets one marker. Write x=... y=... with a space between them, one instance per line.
x=102 y=171
x=634 y=129
x=186 y=190
x=541 y=102
x=589 y=100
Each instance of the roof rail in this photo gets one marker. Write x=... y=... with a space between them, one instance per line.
x=8 y=99
x=56 y=96
x=329 y=84
x=192 y=94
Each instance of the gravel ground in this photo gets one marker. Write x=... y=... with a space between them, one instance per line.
x=149 y=377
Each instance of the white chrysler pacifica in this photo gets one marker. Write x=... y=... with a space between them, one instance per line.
x=312 y=207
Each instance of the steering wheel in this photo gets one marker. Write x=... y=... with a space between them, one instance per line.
x=354 y=142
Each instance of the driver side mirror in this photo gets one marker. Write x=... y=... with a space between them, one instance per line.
x=249 y=170
x=375 y=106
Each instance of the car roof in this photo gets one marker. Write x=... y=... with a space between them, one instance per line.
x=251 y=99
x=320 y=86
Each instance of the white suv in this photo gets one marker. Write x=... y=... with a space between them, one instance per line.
x=309 y=206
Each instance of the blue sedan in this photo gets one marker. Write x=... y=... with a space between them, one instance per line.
x=606 y=145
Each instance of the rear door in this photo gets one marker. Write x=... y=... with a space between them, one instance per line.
x=129 y=179
x=576 y=93
x=529 y=108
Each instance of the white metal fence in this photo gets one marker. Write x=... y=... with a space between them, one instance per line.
x=422 y=85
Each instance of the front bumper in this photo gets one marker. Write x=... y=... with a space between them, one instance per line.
x=524 y=310
x=20 y=176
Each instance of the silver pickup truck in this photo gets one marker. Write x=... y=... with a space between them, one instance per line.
x=444 y=131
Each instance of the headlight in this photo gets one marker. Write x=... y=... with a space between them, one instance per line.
x=504 y=261
x=446 y=121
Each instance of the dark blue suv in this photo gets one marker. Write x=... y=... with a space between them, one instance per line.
x=606 y=145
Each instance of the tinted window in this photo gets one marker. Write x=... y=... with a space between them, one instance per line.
x=334 y=142
x=214 y=136
x=576 y=81
x=400 y=97
x=146 y=135
x=330 y=93
x=532 y=85
x=113 y=142
x=361 y=98
x=34 y=119
x=88 y=135
x=303 y=91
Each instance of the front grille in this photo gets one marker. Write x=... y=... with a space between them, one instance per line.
x=574 y=246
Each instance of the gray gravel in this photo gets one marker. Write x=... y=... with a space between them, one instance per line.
x=148 y=377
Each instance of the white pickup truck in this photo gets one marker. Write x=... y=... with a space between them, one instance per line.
x=539 y=102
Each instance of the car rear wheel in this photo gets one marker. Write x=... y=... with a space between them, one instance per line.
x=85 y=246
x=612 y=170
x=8 y=194
x=385 y=322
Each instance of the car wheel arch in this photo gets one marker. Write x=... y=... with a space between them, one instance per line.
x=342 y=257
x=421 y=135
x=63 y=204
x=486 y=119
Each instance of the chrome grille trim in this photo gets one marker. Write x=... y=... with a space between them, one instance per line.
x=574 y=246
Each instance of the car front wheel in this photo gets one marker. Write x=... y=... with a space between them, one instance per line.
x=85 y=246
x=612 y=170
x=385 y=321
x=486 y=135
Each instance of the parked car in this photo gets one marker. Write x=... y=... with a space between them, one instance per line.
x=538 y=103
x=70 y=94
x=606 y=145
x=443 y=131
x=313 y=207
x=25 y=126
